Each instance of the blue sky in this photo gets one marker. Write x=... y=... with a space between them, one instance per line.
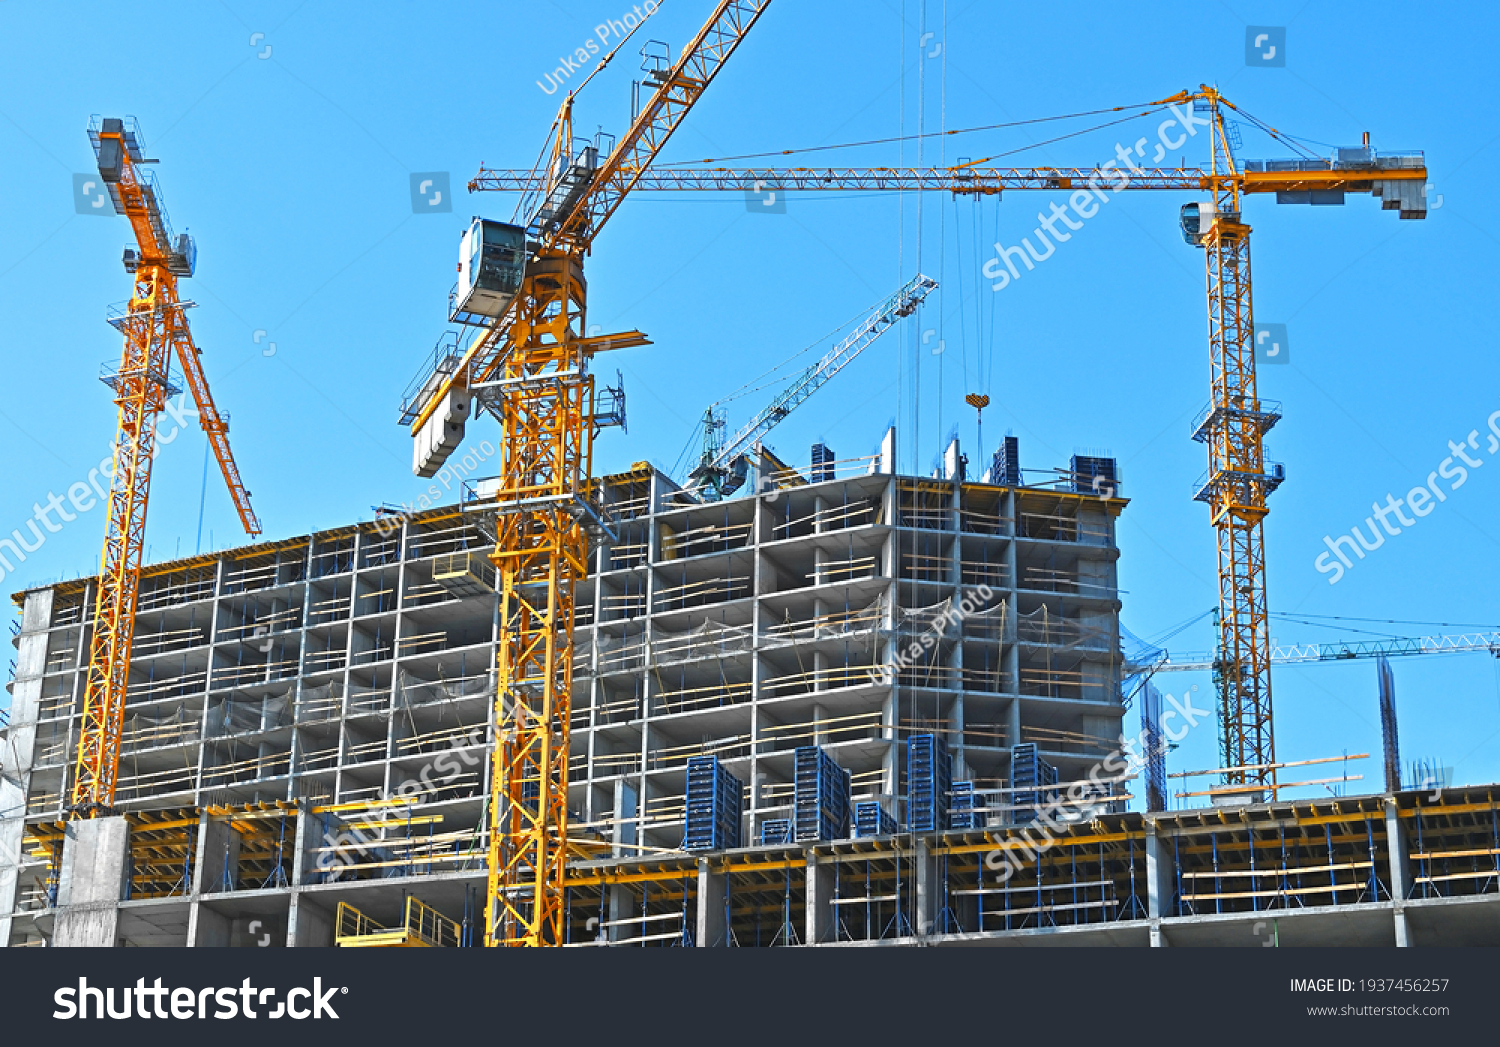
x=292 y=172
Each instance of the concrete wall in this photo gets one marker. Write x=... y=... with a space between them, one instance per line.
x=17 y=745
x=95 y=877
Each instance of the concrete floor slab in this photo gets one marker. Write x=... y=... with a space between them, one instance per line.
x=1347 y=925
x=1467 y=921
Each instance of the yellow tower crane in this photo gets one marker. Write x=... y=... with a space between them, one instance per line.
x=155 y=326
x=529 y=366
x=1239 y=478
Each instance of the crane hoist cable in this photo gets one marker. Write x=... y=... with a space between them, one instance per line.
x=769 y=378
x=1393 y=621
x=1061 y=138
x=907 y=138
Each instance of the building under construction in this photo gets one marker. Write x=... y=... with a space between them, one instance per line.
x=849 y=708
x=838 y=706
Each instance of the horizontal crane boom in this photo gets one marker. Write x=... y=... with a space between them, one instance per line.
x=1301 y=654
x=1270 y=176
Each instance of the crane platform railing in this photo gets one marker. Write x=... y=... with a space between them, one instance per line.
x=421 y=926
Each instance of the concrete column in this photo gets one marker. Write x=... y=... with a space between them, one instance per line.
x=761 y=583
x=1158 y=884
x=757 y=805
x=308 y=925
x=206 y=928
x=18 y=751
x=713 y=927
x=95 y=877
x=1010 y=654
x=1013 y=710
x=621 y=907
x=820 y=926
x=929 y=892
x=623 y=830
x=308 y=826
x=886 y=463
x=1400 y=871
x=955 y=724
x=1158 y=875
x=895 y=753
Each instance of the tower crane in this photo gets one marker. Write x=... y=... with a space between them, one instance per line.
x=1345 y=650
x=716 y=471
x=155 y=327
x=1239 y=478
x=1324 y=654
x=524 y=287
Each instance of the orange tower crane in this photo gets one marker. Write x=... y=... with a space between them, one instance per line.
x=155 y=326
x=1239 y=478
x=523 y=286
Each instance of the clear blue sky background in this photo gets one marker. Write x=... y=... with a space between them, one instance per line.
x=292 y=173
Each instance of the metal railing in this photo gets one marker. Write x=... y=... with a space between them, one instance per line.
x=421 y=925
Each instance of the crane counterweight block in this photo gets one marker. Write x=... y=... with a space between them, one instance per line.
x=442 y=433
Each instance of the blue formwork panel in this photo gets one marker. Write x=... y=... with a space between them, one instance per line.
x=820 y=796
x=871 y=819
x=929 y=777
x=961 y=812
x=775 y=830
x=1030 y=775
x=714 y=806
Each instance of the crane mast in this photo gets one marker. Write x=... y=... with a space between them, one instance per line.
x=154 y=325
x=530 y=366
x=1238 y=480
